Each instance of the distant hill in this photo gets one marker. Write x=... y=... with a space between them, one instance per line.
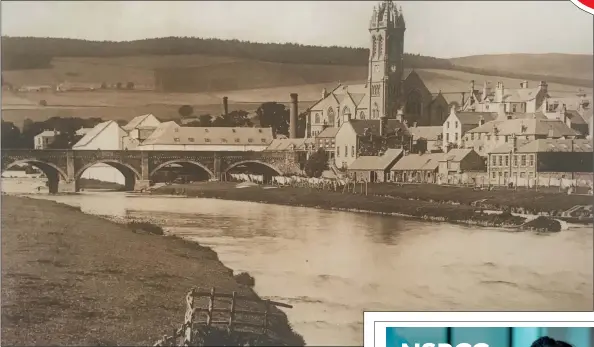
x=209 y=65
x=579 y=66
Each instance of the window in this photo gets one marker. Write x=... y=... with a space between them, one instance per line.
x=224 y=140
x=380 y=43
x=506 y=160
x=515 y=160
x=346 y=113
x=346 y=151
x=176 y=139
x=176 y=130
x=489 y=137
x=513 y=108
x=531 y=158
x=233 y=130
x=448 y=124
x=500 y=174
x=263 y=140
x=352 y=151
x=338 y=151
x=522 y=175
x=494 y=175
x=506 y=138
x=494 y=161
x=500 y=160
x=523 y=162
x=191 y=139
x=448 y=137
x=456 y=125
x=330 y=116
x=317 y=118
x=207 y=140
x=373 y=46
x=237 y=140
x=456 y=136
x=250 y=140
x=362 y=115
x=505 y=174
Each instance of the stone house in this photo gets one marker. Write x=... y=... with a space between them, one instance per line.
x=417 y=168
x=368 y=138
x=374 y=168
x=44 y=139
x=461 y=165
x=515 y=100
x=458 y=123
x=431 y=134
x=327 y=141
x=523 y=162
x=141 y=127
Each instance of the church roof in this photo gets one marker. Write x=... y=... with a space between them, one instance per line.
x=473 y=118
x=373 y=126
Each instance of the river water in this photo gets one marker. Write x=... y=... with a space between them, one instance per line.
x=332 y=265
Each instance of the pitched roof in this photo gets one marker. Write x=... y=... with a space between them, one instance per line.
x=47 y=133
x=575 y=117
x=373 y=126
x=288 y=144
x=382 y=162
x=556 y=145
x=430 y=133
x=173 y=134
x=328 y=132
x=545 y=127
x=93 y=133
x=428 y=161
x=519 y=95
x=135 y=122
x=507 y=147
x=473 y=118
x=456 y=154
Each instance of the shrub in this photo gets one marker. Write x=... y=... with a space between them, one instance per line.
x=42 y=103
x=246 y=279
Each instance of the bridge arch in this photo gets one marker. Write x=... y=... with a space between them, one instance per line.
x=269 y=169
x=53 y=173
x=128 y=171
x=182 y=162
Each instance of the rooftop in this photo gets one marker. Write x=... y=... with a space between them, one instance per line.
x=173 y=134
x=382 y=162
x=430 y=133
x=544 y=127
x=427 y=161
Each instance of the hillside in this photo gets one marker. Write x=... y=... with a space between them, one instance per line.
x=554 y=64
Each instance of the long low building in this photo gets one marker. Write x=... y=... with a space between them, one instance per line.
x=170 y=136
x=374 y=168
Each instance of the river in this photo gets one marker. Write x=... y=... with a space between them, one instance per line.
x=333 y=265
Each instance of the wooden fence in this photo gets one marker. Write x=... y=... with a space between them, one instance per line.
x=228 y=316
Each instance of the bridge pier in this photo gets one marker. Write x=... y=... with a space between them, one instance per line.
x=67 y=186
x=141 y=184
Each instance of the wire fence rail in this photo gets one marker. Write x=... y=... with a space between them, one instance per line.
x=220 y=310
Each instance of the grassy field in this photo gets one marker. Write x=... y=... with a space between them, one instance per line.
x=335 y=200
x=73 y=279
x=555 y=64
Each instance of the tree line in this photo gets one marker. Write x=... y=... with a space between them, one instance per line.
x=37 y=52
x=268 y=114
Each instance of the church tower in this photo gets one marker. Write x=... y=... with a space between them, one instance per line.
x=385 y=60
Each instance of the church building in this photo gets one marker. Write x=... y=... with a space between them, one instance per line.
x=389 y=91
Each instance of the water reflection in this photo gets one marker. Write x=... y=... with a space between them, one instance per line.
x=333 y=265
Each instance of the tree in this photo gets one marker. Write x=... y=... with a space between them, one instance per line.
x=316 y=164
x=119 y=85
x=130 y=85
x=275 y=116
x=420 y=146
x=185 y=111
x=238 y=118
x=103 y=85
x=205 y=120
x=11 y=135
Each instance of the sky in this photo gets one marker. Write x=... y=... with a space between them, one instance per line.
x=442 y=29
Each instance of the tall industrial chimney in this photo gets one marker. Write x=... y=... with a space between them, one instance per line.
x=225 y=106
x=293 y=116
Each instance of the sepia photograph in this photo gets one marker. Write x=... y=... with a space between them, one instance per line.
x=261 y=173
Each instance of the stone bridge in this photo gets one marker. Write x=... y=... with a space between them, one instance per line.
x=63 y=168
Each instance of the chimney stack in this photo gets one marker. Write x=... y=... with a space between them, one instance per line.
x=481 y=121
x=543 y=85
x=472 y=86
x=524 y=85
x=414 y=124
x=225 y=106
x=293 y=116
x=324 y=93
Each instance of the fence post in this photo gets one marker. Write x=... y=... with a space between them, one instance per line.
x=189 y=317
x=232 y=311
x=210 y=307
x=365 y=188
x=267 y=303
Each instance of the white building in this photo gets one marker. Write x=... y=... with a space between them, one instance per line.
x=458 y=123
x=44 y=139
x=169 y=136
x=105 y=136
x=520 y=100
x=141 y=127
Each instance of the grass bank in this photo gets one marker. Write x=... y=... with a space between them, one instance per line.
x=74 y=279
x=306 y=197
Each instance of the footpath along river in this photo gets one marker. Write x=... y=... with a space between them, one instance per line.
x=334 y=265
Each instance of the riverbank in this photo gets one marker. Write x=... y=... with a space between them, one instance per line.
x=69 y=278
x=306 y=197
